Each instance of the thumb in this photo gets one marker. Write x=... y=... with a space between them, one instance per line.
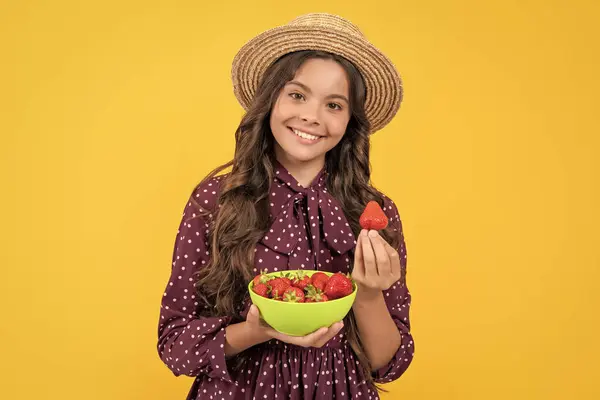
x=253 y=313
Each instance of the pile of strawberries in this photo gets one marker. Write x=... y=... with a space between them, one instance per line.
x=298 y=287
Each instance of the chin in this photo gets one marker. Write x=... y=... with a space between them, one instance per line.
x=302 y=157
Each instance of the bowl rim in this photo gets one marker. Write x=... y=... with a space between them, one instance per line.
x=312 y=303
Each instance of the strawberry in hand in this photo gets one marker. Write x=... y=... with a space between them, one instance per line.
x=373 y=217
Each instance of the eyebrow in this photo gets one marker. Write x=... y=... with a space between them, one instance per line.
x=307 y=89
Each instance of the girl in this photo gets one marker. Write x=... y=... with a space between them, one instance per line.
x=314 y=90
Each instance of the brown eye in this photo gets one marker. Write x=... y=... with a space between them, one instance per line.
x=296 y=96
x=335 y=106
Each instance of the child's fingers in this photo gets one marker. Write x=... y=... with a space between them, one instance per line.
x=381 y=255
x=317 y=338
x=314 y=337
x=359 y=266
x=303 y=341
x=396 y=267
x=253 y=315
x=368 y=257
x=254 y=318
x=395 y=262
x=333 y=330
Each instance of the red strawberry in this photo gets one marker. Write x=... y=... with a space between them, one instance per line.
x=301 y=280
x=278 y=286
x=318 y=280
x=293 y=295
x=314 y=295
x=261 y=278
x=339 y=285
x=261 y=289
x=286 y=280
x=373 y=217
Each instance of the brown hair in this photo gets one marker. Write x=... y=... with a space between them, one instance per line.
x=243 y=208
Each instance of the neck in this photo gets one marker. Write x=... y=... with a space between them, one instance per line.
x=303 y=171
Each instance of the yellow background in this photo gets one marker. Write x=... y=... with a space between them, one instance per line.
x=112 y=111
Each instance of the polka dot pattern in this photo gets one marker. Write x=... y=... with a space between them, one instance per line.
x=308 y=230
x=306 y=218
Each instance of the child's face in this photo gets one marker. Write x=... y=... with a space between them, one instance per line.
x=311 y=113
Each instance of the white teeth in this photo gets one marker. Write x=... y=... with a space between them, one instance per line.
x=305 y=135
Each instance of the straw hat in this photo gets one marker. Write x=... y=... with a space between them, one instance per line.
x=329 y=33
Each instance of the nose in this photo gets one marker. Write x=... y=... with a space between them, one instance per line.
x=309 y=114
x=311 y=121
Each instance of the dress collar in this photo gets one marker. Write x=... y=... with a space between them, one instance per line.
x=324 y=217
x=282 y=175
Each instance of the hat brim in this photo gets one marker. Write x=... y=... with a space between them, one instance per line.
x=382 y=81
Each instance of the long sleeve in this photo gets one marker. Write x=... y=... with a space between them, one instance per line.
x=188 y=344
x=398 y=300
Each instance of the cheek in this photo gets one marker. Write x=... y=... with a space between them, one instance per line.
x=337 y=127
x=282 y=109
x=275 y=112
x=278 y=118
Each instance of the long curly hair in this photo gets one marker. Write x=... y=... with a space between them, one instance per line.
x=241 y=217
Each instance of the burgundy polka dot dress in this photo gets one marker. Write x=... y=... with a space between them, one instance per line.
x=308 y=231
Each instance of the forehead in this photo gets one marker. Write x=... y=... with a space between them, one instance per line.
x=323 y=77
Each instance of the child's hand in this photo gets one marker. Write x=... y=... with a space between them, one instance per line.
x=316 y=339
x=376 y=264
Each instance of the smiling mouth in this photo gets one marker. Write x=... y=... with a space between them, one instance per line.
x=304 y=135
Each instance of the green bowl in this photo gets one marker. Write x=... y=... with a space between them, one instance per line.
x=300 y=319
